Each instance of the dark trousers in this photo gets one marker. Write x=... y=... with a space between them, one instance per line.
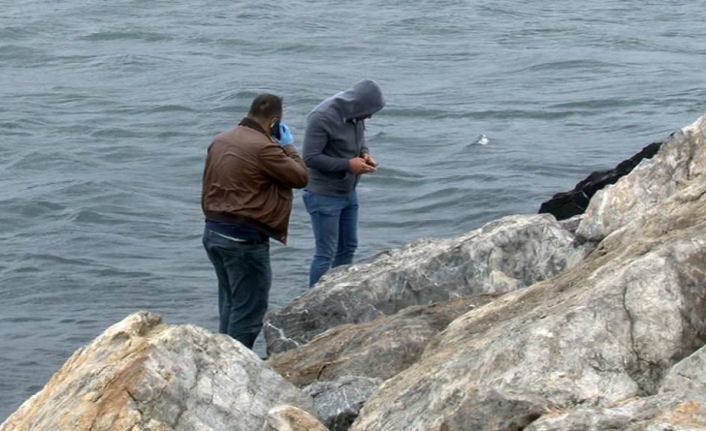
x=244 y=279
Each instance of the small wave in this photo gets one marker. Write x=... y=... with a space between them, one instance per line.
x=10 y=52
x=75 y=321
x=504 y=114
x=598 y=104
x=112 y=35
x=39 y=208
x=171 y=108
x=173 y=134
x=13 y=128
x=23 y=319
x=94 y=217
x=129 y=62
x=22 y=56
x=296 y=48
x=16 y=33
x=425 y=113
x=431 y=202
x=116 y=133
x=48 y=259
x=226 y=42
x=121 y=273
x=585 y=64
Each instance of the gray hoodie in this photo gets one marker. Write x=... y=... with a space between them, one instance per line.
x=334 y=135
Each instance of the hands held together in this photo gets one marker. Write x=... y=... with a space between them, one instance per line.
x=362 y=165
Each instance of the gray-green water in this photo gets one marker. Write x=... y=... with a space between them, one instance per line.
x=106 y=110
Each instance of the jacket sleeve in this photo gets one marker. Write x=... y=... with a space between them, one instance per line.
x=286 y=166
x=315 y=140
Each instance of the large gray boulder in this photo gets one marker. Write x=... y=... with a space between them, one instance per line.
x=502 y=256
x=141 y=374
x=346 y=364
x=601 y=333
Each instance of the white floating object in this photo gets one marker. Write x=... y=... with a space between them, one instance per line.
x=481 y=140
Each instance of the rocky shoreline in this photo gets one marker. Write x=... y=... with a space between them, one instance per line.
x=597 y=322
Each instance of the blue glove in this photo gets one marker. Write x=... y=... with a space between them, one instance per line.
x=285 y=135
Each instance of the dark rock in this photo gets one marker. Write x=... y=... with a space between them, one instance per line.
x=568 y=204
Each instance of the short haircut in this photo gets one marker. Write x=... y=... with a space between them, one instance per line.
x=266 y=106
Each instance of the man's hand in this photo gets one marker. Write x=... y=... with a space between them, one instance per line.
x=358 y=165
x=285 y=135
x=369 y=160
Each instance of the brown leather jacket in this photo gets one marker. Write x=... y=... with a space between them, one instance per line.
x=248 y=180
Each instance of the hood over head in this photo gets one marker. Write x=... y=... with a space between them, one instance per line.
x=364 y=98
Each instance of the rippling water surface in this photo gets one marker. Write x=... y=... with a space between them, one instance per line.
x=107 y=108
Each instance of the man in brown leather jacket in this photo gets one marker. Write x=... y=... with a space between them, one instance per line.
x=247 y=198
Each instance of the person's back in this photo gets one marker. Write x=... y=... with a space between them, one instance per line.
x=247 y=199
x=239 y=183
x=336 y=154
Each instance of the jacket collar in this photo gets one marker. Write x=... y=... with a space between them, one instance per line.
x=252 y=124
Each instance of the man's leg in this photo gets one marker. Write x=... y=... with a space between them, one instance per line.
x=223 y=284
x=244 y=279
x=347 y=232
x=250 y=277
x=325 y=212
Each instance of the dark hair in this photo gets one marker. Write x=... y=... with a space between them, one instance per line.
x=266 y=106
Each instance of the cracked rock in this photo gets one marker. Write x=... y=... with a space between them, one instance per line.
x=599 y=334
x=502 y=256
x=143 y=375
x=378 y=349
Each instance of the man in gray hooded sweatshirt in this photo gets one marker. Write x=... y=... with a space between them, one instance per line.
x=336 y=155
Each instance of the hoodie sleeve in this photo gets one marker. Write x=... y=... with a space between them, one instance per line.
x=315 y=139
x=364 y=149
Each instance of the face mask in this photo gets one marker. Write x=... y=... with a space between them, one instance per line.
x=274 y=130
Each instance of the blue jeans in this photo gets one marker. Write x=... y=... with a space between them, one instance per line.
x=334 y=220
x=244 y=279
